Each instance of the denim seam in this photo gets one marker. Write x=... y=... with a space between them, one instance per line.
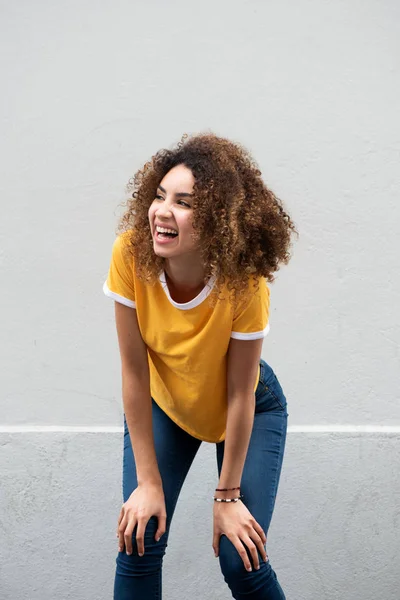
x=268 y=389
x=284 y=422
x=261 y=378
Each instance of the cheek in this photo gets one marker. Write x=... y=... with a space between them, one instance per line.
x=186 y=227
x=188 y=224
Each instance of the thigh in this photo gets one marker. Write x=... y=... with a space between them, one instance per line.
x=263 y=464
x=175 y=451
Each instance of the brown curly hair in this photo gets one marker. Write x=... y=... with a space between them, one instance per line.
x=242 y=228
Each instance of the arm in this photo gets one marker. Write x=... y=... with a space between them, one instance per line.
x=243 y=360
x=234 y=519
x=147 y=499
x=136 y=393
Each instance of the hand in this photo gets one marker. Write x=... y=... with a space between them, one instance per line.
x=234 y=520
x=146 y=501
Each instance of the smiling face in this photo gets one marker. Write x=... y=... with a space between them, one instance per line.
x=172 y=209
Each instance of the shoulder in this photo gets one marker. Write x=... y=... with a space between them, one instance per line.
x=255 y=288
x=122 y=249
x=123 y=239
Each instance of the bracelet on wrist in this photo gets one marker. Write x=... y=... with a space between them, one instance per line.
x=227 y=489
x=227 y=499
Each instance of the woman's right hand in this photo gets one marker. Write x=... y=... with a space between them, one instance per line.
x=146 y=501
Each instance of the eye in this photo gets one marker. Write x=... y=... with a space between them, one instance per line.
x=159 y=197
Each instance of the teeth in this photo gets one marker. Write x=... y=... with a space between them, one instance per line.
x=164 y=230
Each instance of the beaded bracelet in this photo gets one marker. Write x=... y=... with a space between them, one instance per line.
x=227 y=499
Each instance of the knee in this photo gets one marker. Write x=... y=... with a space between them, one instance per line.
x=151 y=561
x=238 y=579
x=133 y=564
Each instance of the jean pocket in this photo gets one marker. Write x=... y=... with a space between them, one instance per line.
x=271 y=396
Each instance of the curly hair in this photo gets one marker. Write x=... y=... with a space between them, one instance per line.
x=242 y=228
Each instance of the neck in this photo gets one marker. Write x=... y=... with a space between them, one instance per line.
x=183 y=276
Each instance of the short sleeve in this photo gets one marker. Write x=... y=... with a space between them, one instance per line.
x=120 y=282
x=251 y=318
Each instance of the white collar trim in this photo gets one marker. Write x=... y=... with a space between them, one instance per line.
x=205 y=292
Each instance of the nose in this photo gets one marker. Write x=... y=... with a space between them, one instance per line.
x=163 y=211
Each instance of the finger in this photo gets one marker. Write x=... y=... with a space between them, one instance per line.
x=120 y=517
x=121 y=514
x=260 y=531
x=140 y=535
x=252 y=548
x=241 y=551
x=121 y=531
x=162 y=526
x=215 y=544
x=128 y=536
x=259 y=543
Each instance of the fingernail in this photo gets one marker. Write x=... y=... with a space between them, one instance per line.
x=266 y=559
x=158 y=539
x=140 y=553
x=257 y=567
x=248 y=568
x=128 y=553
x=120 y=549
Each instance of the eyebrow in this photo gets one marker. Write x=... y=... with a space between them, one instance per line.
x=178 y=194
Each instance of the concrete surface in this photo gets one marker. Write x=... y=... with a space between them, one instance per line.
x=334 y=533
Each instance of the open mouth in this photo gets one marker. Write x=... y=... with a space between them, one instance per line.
x=165 y=233
x=164 y=237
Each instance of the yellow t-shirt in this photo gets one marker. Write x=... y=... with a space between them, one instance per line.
x=187 y=343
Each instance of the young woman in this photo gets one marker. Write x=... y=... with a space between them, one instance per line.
x=201 y=236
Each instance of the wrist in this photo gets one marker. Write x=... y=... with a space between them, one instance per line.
x=227 y=491
x=150 y=481
x=232 y=494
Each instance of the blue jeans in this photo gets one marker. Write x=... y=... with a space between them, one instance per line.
x=139 y=578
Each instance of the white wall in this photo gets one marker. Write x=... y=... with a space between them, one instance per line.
x=89 y=92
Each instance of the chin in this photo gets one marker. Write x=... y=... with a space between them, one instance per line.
x=160 y=251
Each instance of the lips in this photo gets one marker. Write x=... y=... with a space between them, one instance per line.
x=164 y=226
x=161 y=239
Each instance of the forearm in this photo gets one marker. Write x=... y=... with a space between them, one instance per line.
x=138 y=413
x=239 y=425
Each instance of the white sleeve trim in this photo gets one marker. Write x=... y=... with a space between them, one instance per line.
x=117 y=297
x=256 y=335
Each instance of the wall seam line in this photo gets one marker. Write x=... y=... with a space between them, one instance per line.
x=120 y=429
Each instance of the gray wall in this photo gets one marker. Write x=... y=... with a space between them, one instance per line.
x=90 y=91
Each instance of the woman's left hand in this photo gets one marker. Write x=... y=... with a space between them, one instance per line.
x=235 y=521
